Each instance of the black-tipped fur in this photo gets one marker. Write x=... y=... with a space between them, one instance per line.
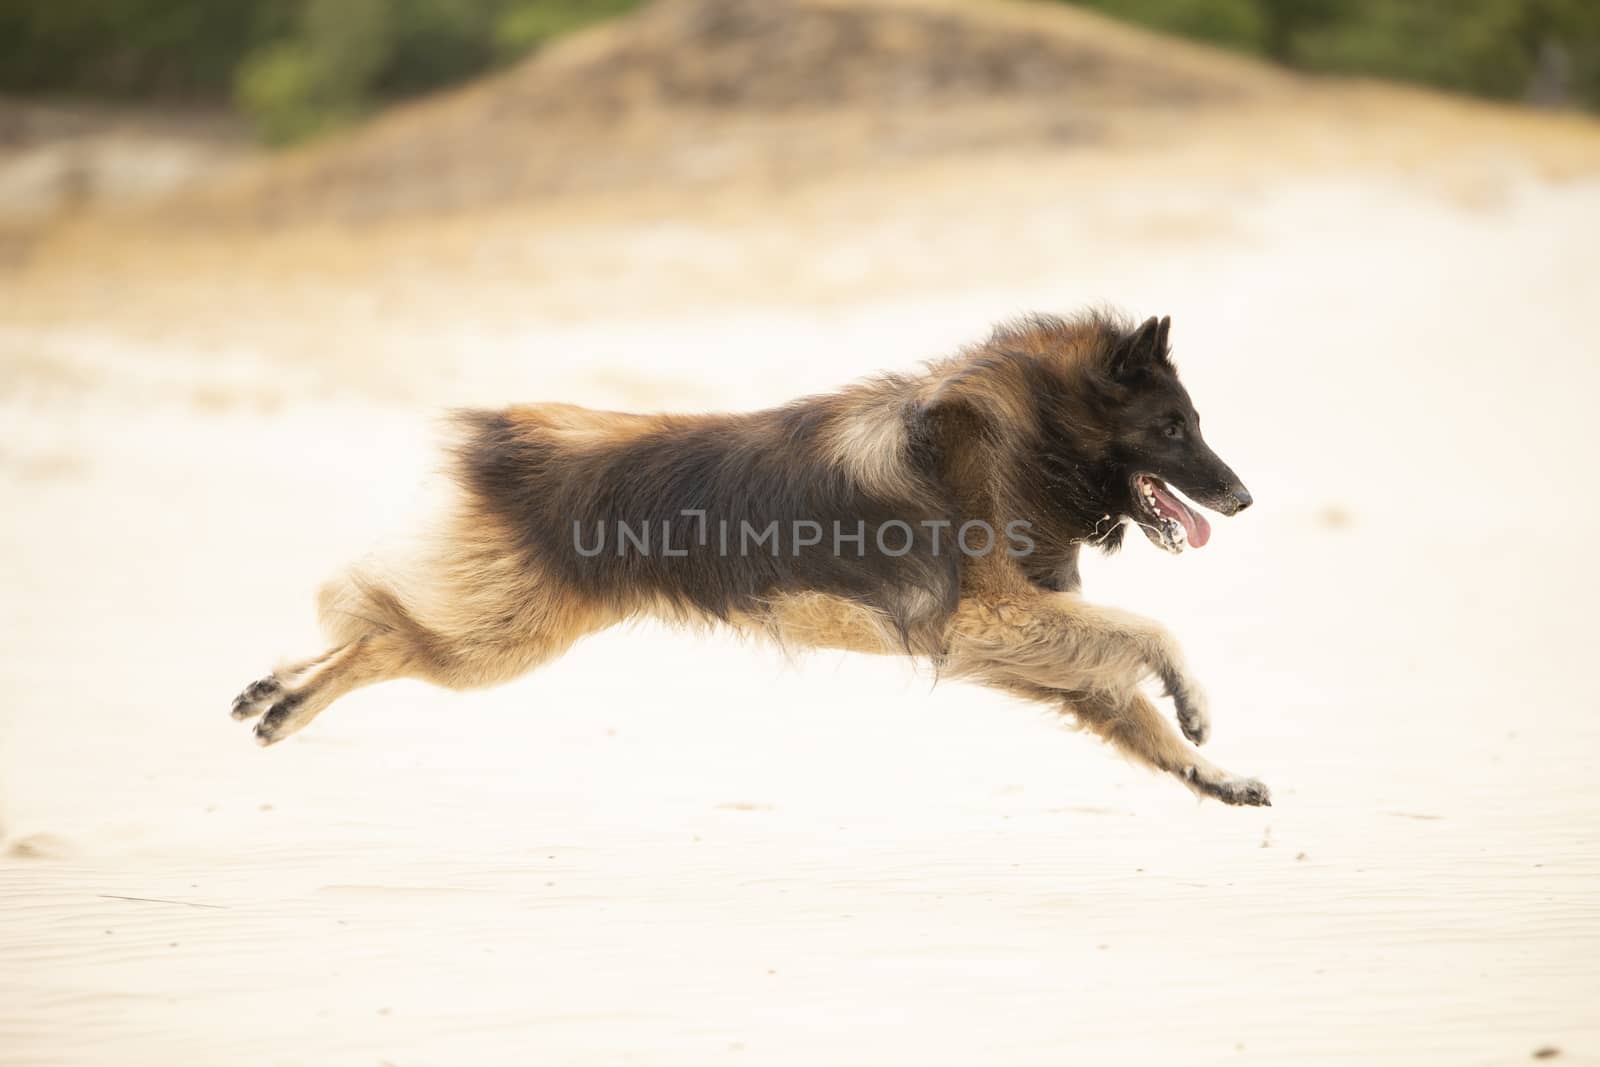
x=834 y=521
x=699 y=498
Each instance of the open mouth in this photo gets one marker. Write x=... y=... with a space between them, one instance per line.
x=1166 y=518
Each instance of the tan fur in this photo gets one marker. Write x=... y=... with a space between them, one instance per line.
x=868 y=436
x=473 y=615
x=815 y=620
x=470 y=609
x=1090 y=660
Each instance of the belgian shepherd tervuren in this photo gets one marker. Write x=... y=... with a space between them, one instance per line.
x=937 y=514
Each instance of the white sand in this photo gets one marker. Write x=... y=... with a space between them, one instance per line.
x=665 y=849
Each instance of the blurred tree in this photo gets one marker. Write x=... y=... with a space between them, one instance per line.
x=321 y=77
x=298 y=67
x=1237 y=24
x=1473 y=47
x=1494 y=48
x=1547 y=51
x=141 y=47
x=436 y=42
x=1287 y=20
x=529 y=24
x=349 y=54
x=276 y=88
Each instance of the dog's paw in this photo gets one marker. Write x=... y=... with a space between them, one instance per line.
x=1193 y=718
x=276 y=704
x=1228 y=788
x=280 y=720
x=257 y=697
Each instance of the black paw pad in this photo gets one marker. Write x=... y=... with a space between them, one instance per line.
x=255 y=694
x=267 y=730
x=1240 y=792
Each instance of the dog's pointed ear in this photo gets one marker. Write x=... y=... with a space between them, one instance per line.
x=1140 y=350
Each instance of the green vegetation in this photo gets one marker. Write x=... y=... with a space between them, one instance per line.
x=295 y=67
x=1547 y=51
x=299 y=67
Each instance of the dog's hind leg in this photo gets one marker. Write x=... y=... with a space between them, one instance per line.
x=476 y=623
x=297 y=695
x=288 y=700
x=261 y=694
x=374 y=639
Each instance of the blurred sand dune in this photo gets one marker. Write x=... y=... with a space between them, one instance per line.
x=713 y=153
x=675 y=850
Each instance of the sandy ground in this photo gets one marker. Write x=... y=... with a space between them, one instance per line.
x=676 y=849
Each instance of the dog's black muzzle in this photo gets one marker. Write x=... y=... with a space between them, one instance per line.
x=1211 y=483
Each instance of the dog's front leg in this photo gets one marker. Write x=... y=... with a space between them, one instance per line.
x=1064 y=642
x=1162 y=657
x=1188 y=699
x=1056 y=647
x=1132 y=724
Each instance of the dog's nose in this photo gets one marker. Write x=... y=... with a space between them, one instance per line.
x=1242 y=496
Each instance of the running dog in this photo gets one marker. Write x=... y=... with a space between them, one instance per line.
x=936 y=515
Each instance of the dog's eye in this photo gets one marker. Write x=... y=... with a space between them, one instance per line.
x=1173 y=429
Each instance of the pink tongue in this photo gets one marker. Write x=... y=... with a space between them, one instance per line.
x=1195 y=527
